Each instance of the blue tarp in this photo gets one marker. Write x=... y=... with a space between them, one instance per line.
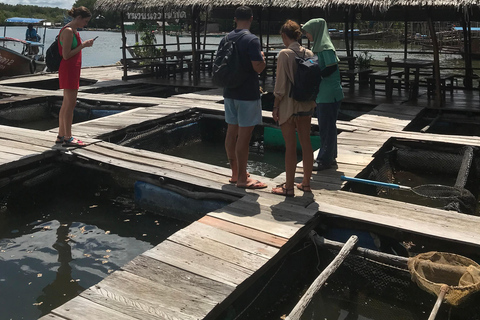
x=473 y=28
x=24 y=20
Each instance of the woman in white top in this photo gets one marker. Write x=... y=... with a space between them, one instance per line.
x=292 y=115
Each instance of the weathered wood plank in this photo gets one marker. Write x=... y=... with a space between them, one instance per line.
x=179 y=279
x=249 y=233
x=146 y=296
x=233 y=240
x=217 y=249
x=199 y=263
x=80 y=308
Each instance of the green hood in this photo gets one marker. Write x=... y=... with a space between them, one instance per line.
x=319 y=31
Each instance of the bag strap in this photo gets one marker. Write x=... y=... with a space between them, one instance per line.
x=304 y=52
x=241 y=35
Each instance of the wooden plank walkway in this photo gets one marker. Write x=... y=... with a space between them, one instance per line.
x=202 y=268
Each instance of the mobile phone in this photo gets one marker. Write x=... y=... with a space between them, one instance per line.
x=95 y=38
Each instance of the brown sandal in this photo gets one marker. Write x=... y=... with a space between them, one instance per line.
x=303 y=188
x=282 y=191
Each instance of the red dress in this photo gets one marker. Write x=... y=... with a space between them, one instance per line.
x=69 y=71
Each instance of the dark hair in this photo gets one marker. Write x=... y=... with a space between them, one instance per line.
x=243 y=13
x=30 y=26
x=80 y=11
x=291 y=30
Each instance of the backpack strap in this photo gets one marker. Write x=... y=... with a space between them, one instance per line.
x=290 y=94
x=304 y=52
x=241 y=35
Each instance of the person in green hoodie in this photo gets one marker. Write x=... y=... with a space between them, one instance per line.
x=330 y=94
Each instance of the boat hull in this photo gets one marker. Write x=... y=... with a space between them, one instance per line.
x=13 y=63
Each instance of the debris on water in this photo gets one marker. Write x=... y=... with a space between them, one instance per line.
x=39 y=275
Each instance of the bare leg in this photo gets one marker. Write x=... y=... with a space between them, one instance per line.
x=65 y=117
x=230 y=146
x=303 y=129
x=241 y=151
x=288 y=132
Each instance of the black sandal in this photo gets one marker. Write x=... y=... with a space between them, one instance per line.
x=282 y=191
x=60 y=139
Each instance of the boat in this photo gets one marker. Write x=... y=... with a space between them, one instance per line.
x=339 y=34
x=30 y=59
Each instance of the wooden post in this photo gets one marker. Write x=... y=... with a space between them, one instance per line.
x=467 y=49
x=124 y=45
x=197 y=30
x=345 y=34
x=405 y=35
x=194 y=47
x=164 y=29
x=436 y=62
x=352 y=23
x=321 y=279
x=205 y=31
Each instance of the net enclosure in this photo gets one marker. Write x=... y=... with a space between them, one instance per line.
x=431 y=270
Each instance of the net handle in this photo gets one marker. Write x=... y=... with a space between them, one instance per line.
x=375 y=183
x=443 y=290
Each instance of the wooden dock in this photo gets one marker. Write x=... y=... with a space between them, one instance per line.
x=201 y=269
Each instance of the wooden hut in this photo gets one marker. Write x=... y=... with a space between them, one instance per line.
x=345 y=11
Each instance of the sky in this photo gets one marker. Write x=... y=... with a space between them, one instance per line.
x=64 y=4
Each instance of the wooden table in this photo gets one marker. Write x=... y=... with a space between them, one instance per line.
x=407 y=64
x=182 y=55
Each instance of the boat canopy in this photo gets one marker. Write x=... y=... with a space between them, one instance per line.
x=24 y=20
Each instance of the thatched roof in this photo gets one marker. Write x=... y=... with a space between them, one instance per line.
x=390 y=9
x=148 y=5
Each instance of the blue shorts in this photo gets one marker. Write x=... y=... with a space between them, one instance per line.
x=244 y=113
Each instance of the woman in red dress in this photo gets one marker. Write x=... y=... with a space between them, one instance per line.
x=69 y=72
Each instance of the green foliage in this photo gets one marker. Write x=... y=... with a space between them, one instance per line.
x=50 y=14
x=55 y=15
x=363 y=60
x=147 y=48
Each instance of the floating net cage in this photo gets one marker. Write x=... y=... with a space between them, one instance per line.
x=181 y=131
x=446 y=176
x=159 y=137
x=378 y=291
x=451 y=122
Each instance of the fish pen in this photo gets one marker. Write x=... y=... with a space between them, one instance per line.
x=200 y=136
x=48 y=84
x=42 y=113
x=438 y=175
x=62 y=241
x=368 y=284
x=451 y=122
x=145 y=90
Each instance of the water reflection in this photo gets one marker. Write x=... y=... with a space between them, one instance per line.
x=64 y=287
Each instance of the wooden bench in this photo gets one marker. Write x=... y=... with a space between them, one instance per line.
x=394 y=79
x=443 y=84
